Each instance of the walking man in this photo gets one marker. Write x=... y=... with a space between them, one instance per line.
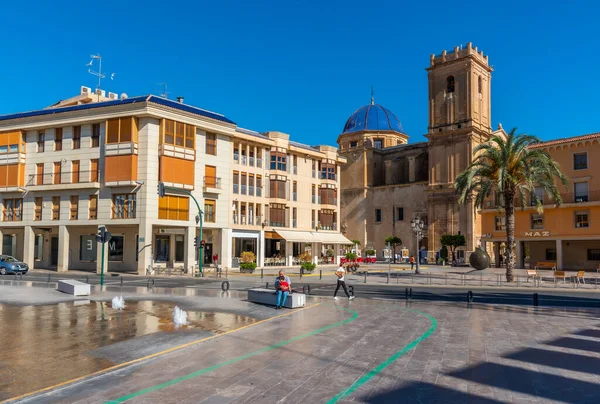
x=341 y=274
x=283 y=284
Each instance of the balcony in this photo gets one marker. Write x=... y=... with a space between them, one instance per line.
x=64 y=180
x=244 y=160
x=568 y=197
x=328 y=226
x=212 y=184
x=276 y=224
x=246 y=220
x=251 y=160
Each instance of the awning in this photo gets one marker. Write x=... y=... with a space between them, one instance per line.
x=297 y=236
x=331 y=238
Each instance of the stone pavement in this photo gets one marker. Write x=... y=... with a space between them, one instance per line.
x=372 y=352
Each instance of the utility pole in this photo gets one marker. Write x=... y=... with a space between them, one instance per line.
x=102 y=237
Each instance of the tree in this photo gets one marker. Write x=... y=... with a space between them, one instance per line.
x=453 y=241
x=355 y=242
x=393 y=241
x=508 y=167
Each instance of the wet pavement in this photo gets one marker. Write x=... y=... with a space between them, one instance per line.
x=371 y=351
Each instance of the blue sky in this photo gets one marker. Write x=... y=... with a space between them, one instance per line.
x=302 y=67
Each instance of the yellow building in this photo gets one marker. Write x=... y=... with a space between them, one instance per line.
x=569 y=234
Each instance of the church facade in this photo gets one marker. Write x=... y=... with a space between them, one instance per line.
x=386 y=182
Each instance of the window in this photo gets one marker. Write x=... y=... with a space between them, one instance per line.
x=314 y=169
x=450 y=84
x=76 y=137
x=13 y=210
x=277 y=188
x=58 y=139
x=580 y=161
x=537 y=196
x=116 y=248
x=294 y=217
x=295 y=191
x=236 y=182
x=582 y=220
x=37 y=211
x=479 y=85
x=57 y=173
x=236 y=152
x=258 y=185
x=354 y=144
x=173 y=207
x=41 y=141
x=38 y=247
x=278 y=161
x=327 y=219
x=210 y=176
x=328 y=171
x=537 y=221
x=124 y=206
x=179 y=248
x=211 y=144
x=378 y=143
x=56 y=208
x=244 y=183
x=190 y=136
x=39 y=174
x=74 y=207
x=581 y=192
x=328 y=196
x=93 y=207
x=593 y=254
x=75 y=171
x=178 y=134
x=277 y=215
x=312 y=217
x=399 y=214
x=120 y=130
x=377 y=215
x=500 y=223
x=87 y=248
x=314 y=194
x=94 y=170
x=209 y=210
x=550 y=254
x=95 y=135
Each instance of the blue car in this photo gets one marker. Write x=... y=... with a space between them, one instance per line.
x=10 y=265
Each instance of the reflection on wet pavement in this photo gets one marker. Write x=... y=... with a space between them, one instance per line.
x=45 y=345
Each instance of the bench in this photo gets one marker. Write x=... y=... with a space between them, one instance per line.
x=73 y=287
x=559 y=275
x=269 y=296
x=532 y=273
x=545 y=265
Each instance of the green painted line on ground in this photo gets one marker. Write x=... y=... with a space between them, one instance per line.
x=234 y=360
x=373 y=372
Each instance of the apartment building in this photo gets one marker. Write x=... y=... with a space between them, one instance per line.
x=569 y=234
x=96 y=160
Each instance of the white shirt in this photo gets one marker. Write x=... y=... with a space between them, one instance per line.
x=343 y=271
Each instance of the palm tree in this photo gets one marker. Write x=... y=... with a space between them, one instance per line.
x=509 y=167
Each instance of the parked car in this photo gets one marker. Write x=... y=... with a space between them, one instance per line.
x=11 y=265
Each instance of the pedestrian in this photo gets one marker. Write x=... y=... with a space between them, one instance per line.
x=341 y=274
x=283 y=285
x=412 y=262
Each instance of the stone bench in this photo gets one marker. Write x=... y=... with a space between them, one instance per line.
x=73 y=287
x=269 y=296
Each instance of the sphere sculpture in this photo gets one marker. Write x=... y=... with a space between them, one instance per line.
x=479 y=259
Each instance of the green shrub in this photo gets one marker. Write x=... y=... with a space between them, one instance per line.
x=248 y=266
x=444 y=253
x=370 y=252
x=330 y=253
x=351 y=256
x=305 y=257
x=308 y=266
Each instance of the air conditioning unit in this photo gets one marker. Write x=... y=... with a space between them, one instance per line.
x=85 y=90
x=113 y=96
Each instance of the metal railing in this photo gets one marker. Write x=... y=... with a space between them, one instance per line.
x=64 y=177
x=244 y=189
x=236 y=188
x=244 y=160
x=258 y=191
x=212 y=182
x=251 y=160
x=236 y=157
x=259 y=163
x=314 y=198
x=251 y=190
x=567 y=197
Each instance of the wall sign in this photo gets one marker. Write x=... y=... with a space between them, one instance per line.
x=537 y=234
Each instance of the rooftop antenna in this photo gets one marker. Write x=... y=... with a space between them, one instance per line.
x=165 y=93
x=372 y=95
x=99 y=73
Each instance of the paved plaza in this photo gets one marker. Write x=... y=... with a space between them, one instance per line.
x=366 y=350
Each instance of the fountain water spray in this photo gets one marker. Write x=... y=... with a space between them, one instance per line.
x=118 y=303
x=179 y=316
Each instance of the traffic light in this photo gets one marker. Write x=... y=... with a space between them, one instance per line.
x=161 y=189
x=202 y=244
x=103 y=236
x=195 y=241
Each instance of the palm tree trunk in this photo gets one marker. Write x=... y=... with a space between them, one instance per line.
x=509 y=208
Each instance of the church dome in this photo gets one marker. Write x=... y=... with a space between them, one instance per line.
x=373 y=117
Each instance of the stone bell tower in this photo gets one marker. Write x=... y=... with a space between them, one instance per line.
x=459 y=120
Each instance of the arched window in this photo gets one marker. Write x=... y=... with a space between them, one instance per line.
x=450 y=84
x=480 y=85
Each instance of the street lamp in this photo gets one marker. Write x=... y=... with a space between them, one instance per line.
x=418 y=227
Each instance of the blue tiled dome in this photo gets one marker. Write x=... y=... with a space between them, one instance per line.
x=373 y=117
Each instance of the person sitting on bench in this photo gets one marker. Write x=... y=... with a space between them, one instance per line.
x=283 y=284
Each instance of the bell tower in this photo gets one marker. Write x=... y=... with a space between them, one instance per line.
x=459 y=120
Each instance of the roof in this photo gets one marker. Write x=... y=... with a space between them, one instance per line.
x=303 y=146
x=373 y=117
x=133 y=100
x=566 y=140
x=251 y=132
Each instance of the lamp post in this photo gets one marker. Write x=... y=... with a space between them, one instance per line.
x=418 y=227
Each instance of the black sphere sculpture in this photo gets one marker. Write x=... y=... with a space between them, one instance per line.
x=479 y=259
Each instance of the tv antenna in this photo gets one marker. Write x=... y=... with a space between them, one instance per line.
x=99 y=73
x=165 y=93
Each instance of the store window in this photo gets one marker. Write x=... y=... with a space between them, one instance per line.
x=116 y=247
x=179 y=248
x=87 y=248
x=161 y=248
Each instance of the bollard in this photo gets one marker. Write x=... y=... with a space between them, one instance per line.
x=301 y=272
x=388 y=278
x=121 y=282
x=320 y=274
x=49 y=276
x=536 y=301
x=397 y=278
x=518 y=283
x=306 y=289
x=267 y=285
x=470 y=297
x=351 y=289
x=446 y=279
x=365 y=276
x=261 y=273
x=480 y=279
x=19 y=275
x=225 y=286
x=408 y=293
x=150 y=281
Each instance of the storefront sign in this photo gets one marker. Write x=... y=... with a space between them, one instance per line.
x=171 y=231
x=537 y=234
